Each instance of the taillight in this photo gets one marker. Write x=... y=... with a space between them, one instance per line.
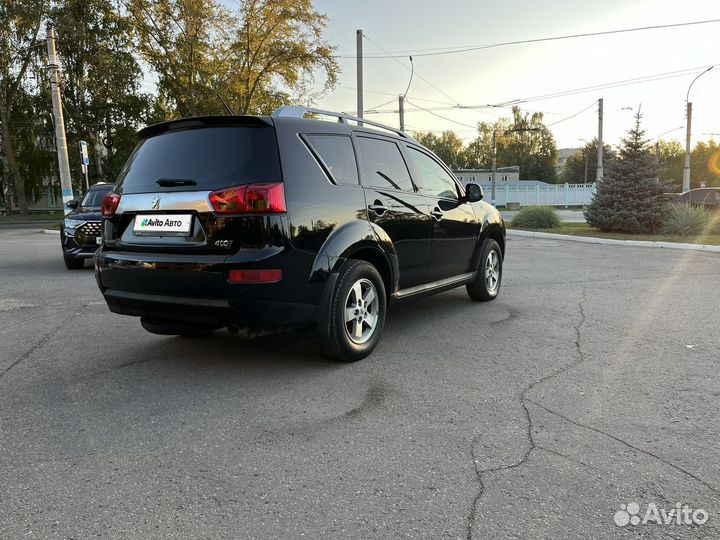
x=268 y=198
x=263 y=275
x=110 y=204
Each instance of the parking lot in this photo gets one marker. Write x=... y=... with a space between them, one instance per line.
x=591 y=382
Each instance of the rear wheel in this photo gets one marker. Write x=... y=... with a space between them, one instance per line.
x=489 y=275
x=71 y=263
x=357 y=312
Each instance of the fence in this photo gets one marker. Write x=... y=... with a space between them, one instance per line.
x=541 y=194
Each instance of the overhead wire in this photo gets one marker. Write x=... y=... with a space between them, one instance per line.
x=456 y=50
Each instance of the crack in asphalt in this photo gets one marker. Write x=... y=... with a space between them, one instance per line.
x=580 y=358
x=47 y=337
x=524 y=400
x=632 y=446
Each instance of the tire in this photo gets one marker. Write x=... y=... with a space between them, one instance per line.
x=163 y=328
x=489 y=275
x=355 y=328
x=72 y=263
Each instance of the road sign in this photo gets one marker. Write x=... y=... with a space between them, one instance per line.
x=84 y=153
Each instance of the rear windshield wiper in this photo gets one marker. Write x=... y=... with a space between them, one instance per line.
x=175 y=182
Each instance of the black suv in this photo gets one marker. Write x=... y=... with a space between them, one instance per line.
x=80 y=230
x=264 y=223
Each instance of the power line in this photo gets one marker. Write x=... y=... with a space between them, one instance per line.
x=402 y=64
x=573 y=115
x=565 y=93
x=457 y=50
x=442 y=117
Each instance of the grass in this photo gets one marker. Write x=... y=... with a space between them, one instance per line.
x=583 y=229
x=34 y=216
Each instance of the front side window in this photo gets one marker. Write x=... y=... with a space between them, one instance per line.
x=337 y=155
x=434 y=180
x=383 y=165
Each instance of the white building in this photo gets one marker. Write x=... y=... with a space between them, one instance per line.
x=483 y=176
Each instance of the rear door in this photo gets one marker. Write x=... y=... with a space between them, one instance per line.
x=394 y=205
x=166 y=182
x=455 y=228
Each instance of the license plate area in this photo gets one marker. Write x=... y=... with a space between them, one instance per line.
x=162 y=225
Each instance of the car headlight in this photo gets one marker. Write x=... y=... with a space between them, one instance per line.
x=72 y=223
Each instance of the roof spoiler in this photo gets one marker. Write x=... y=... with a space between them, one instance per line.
x=204 y=121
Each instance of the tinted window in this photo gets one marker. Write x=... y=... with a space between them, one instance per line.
x=434 y=180
x=383 y=165
x=214 y=158
x=94 y=197
x=336 y=153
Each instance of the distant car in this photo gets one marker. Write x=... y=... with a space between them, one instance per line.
x=707 y=197
x=80 y=230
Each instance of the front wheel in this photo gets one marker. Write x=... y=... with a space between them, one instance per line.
x=357 y=312
x=489 y=275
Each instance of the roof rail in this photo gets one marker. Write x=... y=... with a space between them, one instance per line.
x=293 y=111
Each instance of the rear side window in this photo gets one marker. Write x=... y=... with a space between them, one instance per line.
x=209 y=158
x=337 y=155
x=383 y=165
x=434 y=180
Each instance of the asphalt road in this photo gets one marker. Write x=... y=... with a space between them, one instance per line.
x=590 y=383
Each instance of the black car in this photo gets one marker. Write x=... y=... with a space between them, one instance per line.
x=705 y=197
x=252 y=222
x=80 y=230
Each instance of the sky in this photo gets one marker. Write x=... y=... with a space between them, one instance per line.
x=502 y=74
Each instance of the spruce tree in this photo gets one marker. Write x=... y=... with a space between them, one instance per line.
x=629 y=199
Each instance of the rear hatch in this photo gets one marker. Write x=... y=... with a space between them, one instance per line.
x=166 y=185
x=193 y=193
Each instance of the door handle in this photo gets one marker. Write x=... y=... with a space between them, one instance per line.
x=437 y=214
x=378 y=208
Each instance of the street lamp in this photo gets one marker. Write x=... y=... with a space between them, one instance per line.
x=688 y=108
x=586 y=151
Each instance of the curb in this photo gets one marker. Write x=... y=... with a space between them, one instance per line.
x=49 y=231
x=613 y=242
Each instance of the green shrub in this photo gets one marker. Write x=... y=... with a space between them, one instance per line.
x=687 y=220
x=537 y=217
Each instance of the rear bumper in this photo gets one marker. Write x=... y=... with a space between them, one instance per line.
x=210 y=311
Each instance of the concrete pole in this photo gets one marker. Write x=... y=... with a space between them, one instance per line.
x=60 y=140
x=359 y=40
x=401 y=108
x=599 y=172
x=686 y=170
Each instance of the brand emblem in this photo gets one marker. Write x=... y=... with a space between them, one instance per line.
x=156 y=203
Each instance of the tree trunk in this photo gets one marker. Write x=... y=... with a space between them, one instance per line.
x=9 y=152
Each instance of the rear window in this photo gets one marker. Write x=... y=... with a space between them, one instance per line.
x=205 y=159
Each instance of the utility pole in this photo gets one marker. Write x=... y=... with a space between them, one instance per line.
x=599 y=173
x=60 y=140
x=401 y=108
x=359 y=40
x=686 y=170
x=494 y=167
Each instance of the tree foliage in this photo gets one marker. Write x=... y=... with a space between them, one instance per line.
x=574 y=169
x=256 y=54
x=629 y=198
x=522 y=140
x=447 y=146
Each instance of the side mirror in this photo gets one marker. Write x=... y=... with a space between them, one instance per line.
x=72 y=204
x=473 y=193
